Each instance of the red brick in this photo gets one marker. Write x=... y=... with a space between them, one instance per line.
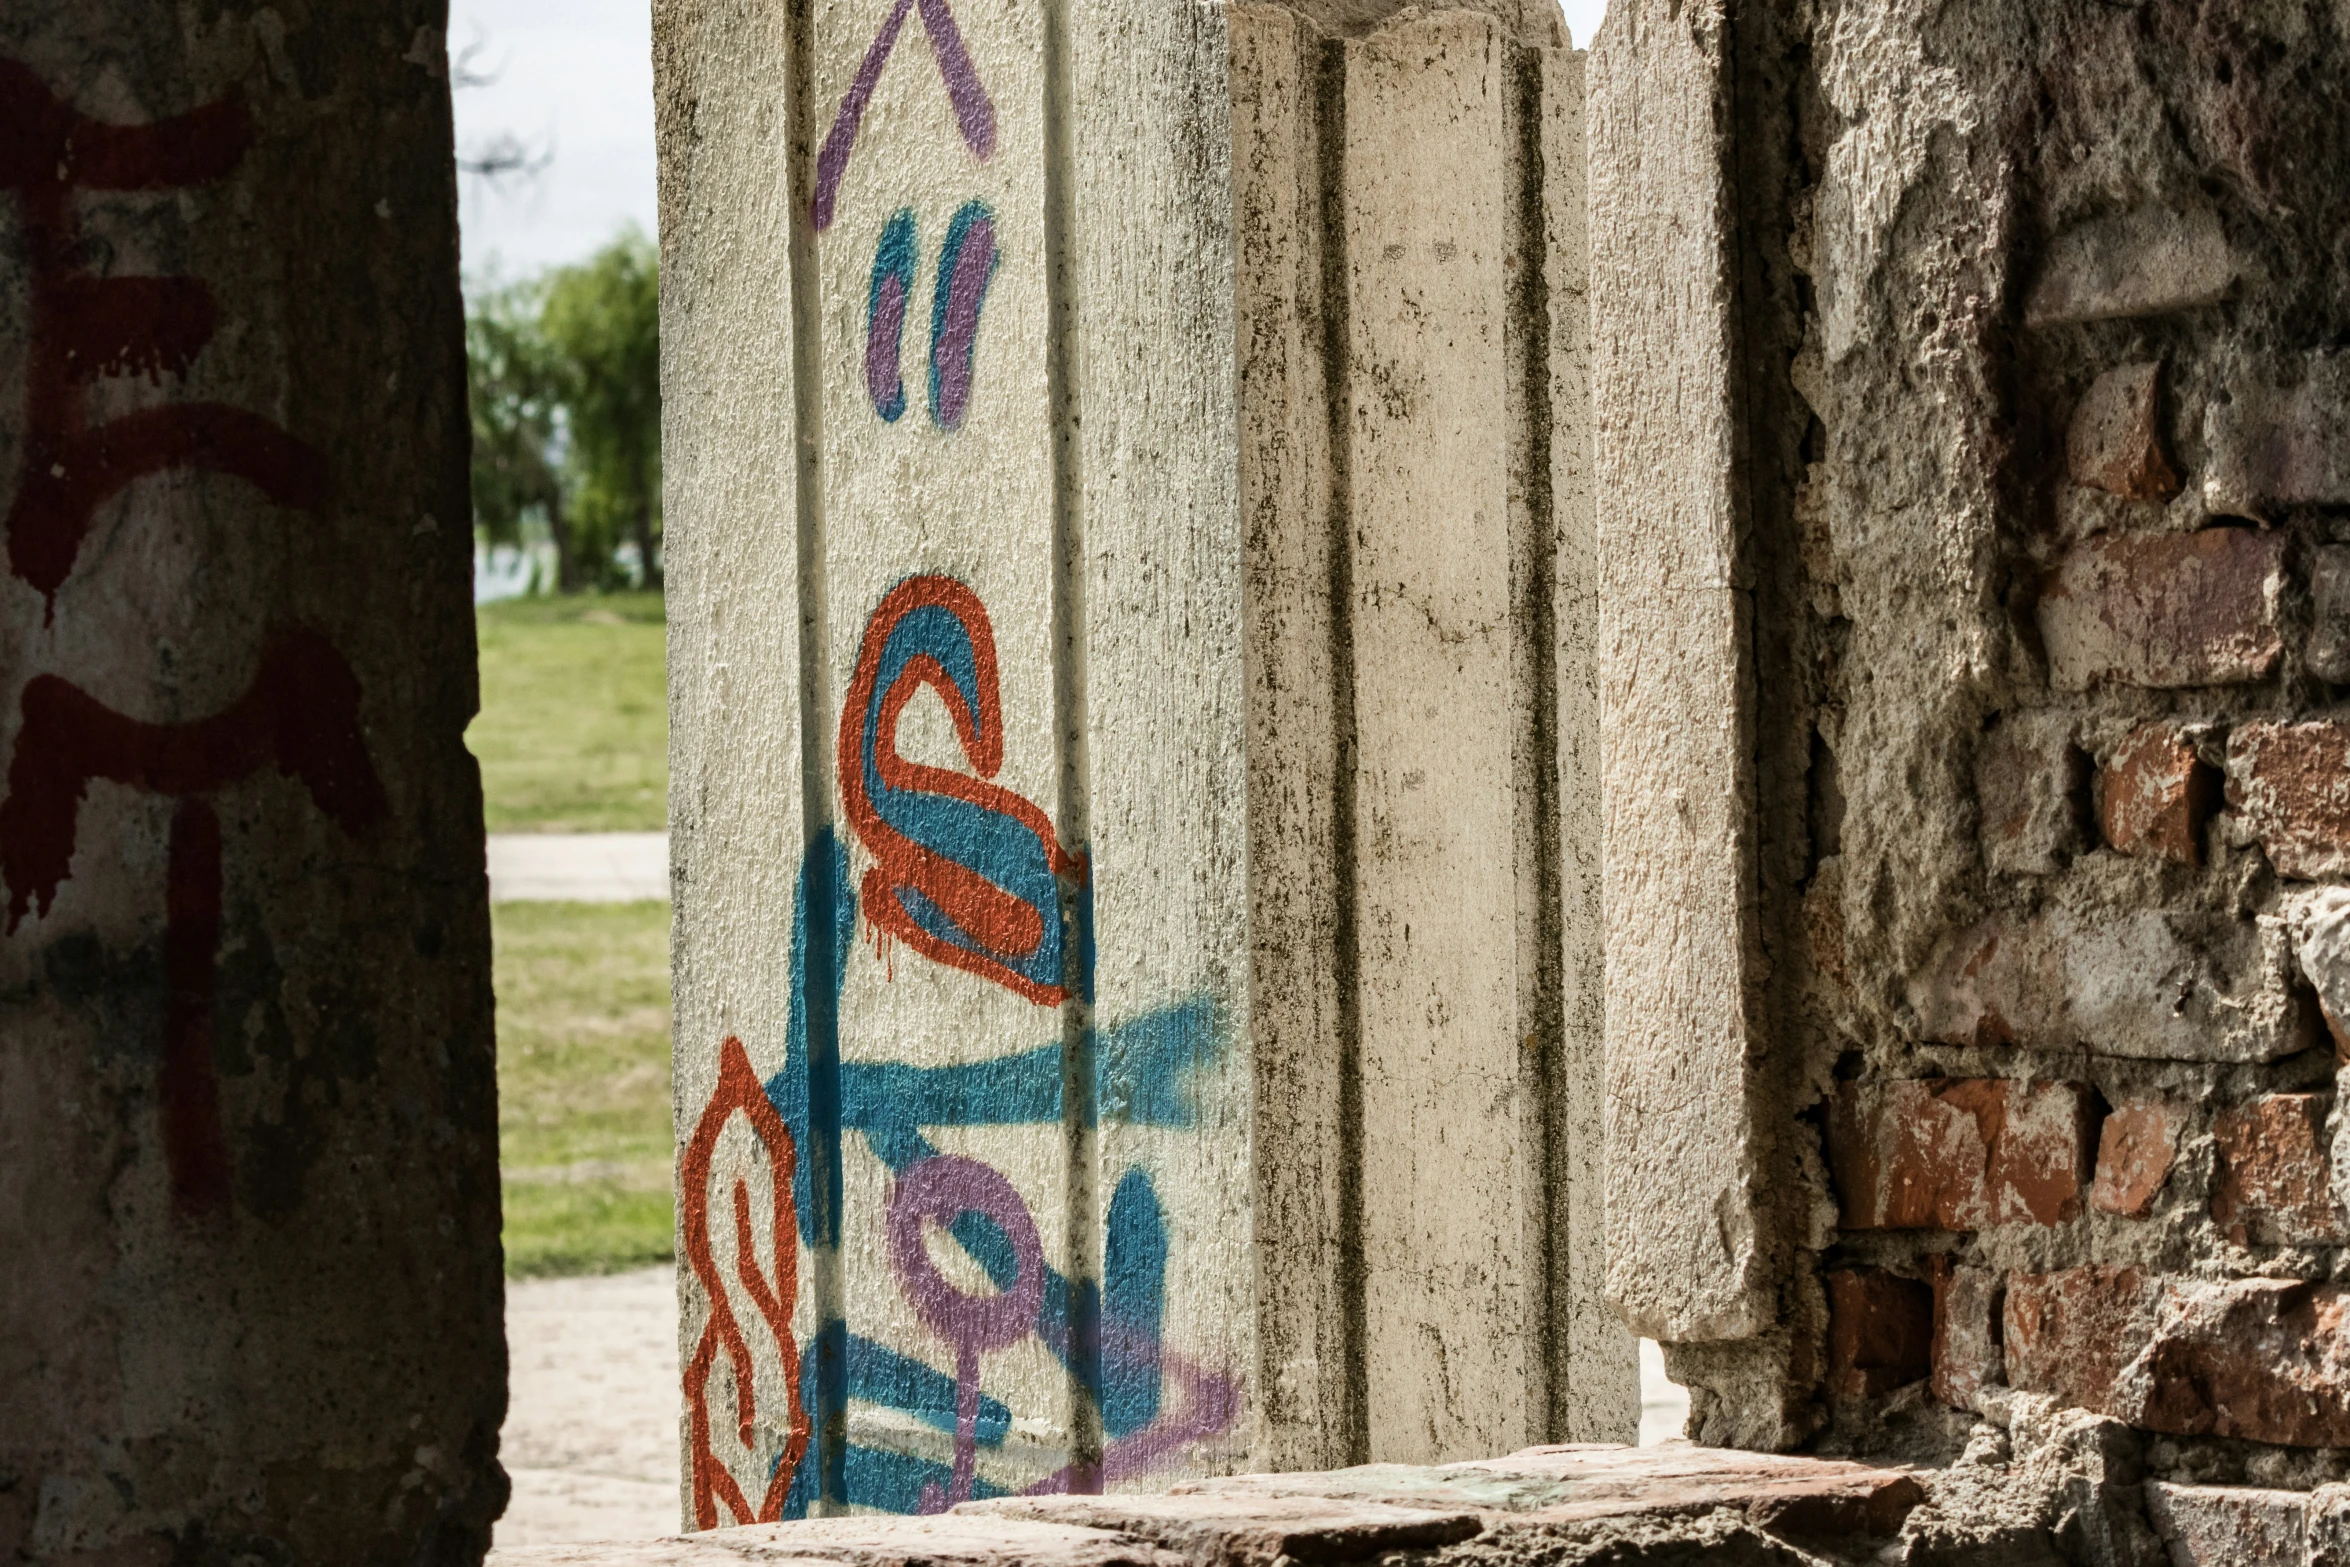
x=2273 y=1172
x=2115 y=442
x=2155 y=795
x=2029 y=778
x=1880 y=1332
x=1967 y=1354
x=2072 y=1333
x=2134 y=1154
x=2289 y=785
x=2165 y=610
x=2229 y=1525
x=2267 y=1360
x=1958 y=1153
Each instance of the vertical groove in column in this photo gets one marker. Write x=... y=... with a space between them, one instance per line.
x=1536 y=571
x=822 y=867
x=1337 y=345
x=1079 y=1087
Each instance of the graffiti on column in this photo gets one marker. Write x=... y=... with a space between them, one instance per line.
x=965 y=871
x=974 y=110
x=85 y=328
x=885 y=316
x=965 y=266
x=967 y=263
x=968 y=874
x=1154 y=1400
x=966 y=1322
x=301 y=713
x=968 y=256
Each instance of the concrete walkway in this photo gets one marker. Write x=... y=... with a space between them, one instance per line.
x=579 y=867
x=591 y=1415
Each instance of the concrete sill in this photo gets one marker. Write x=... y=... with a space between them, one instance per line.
x=1569 y=1502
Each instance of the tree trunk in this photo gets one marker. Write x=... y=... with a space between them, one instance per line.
x=559 y=529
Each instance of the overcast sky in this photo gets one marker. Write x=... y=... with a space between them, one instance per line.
x=574 y=79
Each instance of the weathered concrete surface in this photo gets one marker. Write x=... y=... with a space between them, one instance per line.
x=1307 y=1201
x=248 y=1160
x=1675 y=691
x=1428 y=985
x=1472 y=1083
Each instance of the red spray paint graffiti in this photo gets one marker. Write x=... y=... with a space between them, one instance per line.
x=84 y=328
x=739 y=1093
x=300 y=714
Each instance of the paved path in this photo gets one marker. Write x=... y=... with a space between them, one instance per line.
x=579 y=867
x=591 y=1423
x=591 y=1415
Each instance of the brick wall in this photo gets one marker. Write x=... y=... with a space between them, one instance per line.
x=2080 y=1120
x=1991 y=981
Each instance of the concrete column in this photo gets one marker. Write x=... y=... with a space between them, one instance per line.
x=1129 y=522
x=248 y=1161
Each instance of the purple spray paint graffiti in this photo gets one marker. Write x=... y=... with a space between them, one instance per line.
x=965 y=265
x=974 y=110
x=885 y=316
x=941 y=1190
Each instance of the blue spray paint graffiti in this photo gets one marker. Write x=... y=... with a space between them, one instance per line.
x=885 y=316
x=967 y=264
x=965 y=871
x=1148 y=1072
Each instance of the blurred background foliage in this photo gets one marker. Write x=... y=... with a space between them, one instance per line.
x=565 y=375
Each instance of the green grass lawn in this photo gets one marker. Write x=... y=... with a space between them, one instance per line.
x=573 y=734
x=583 y=1084
x=574 y=737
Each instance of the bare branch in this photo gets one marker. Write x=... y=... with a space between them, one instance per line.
x=505 y=158
x=461 y=71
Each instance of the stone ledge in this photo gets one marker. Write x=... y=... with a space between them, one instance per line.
x=1567 y=1503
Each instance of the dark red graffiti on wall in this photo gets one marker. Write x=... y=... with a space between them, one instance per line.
x=85 y=328
x=300 y=715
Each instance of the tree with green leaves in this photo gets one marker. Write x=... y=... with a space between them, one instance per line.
x=602 y=320
x=565 y=374
x=516 y=388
